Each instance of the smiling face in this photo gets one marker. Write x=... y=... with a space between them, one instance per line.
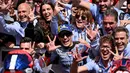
x=121 y=40
x=105 y=4
x=109 y=24
x=23 y=12
x=104 y=52
x=47 y=12
x=65 y=38
x=83 y=17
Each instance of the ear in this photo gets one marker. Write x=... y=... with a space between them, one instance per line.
x=112 y=2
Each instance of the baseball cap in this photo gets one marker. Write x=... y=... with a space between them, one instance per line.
x=64 y=27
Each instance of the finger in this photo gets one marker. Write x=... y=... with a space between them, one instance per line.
x=49 y=38
x=122 y=54
x=81 y=51
x=58 y=46
x=54 y=39
x=77 y=50
x=116 y=51
x=84 y=57
x=111 y=52
x=33 y=44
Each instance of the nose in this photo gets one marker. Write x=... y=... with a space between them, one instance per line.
x=119 y=40
x=65 y=36
x=101 y=3
x=107 y=25
x=46 y=11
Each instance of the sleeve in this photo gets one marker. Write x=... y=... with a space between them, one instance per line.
x=94 y=9
x=54 y=25
x=91 y=66
x=94 y=47
x=9 y=28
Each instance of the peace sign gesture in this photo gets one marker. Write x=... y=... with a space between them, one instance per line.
x=51 y=45
x=116 y=55
x=91 y=33
x=77 y=56
x=31 y=51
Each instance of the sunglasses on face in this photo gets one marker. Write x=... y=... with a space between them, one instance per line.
x=67 y=34
x=82 y=17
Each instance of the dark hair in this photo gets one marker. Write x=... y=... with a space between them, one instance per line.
x=111 y=12
x=108 y=38
x=52 y=6
x=26 y=39
x=121 y=68
x=121 y=29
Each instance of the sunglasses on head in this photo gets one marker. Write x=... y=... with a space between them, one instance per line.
x=82 y=17
x=65 y=33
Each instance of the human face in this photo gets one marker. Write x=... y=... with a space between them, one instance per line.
x=104 y=52
x=65 y=1
x=47 y=12
x=23 y=13
x=122 y=72
x=121 y=40
x=26 y=47
x=105 y=4
x=109 y=24
x=81 y=20
x=66 y=39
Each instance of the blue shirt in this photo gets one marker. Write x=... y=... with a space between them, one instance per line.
x=127 y=51
x=64 y=58
x=16 y=29
x=94 y=67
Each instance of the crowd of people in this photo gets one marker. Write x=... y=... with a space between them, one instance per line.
x=64 y=36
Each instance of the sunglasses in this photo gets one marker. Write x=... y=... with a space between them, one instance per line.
x=65 y=33
x=82 y=17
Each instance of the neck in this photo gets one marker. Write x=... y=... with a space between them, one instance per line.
x=105 y=63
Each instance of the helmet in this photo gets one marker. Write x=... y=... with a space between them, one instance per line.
x=123 y=64
x=18 y=61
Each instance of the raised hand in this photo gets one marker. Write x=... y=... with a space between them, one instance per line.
x=51 y=45
x=116 y=55
x=31 y=16
x=91 y=33
x=5 y=5
x=57 y=8
x=82 y=41
x=32 y=47
x=77 y=56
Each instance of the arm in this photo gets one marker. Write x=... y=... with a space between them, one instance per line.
x=9 y=28
x=76 y=69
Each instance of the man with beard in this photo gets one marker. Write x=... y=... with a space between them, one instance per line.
x=98 y=9
x=25 y=19
x=103 y=64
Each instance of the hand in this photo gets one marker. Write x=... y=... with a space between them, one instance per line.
x=82 y=41
x=124 y=22
x=51 y=45
x=77 y=56
x=41 y=45
x=77 y=2
x=57 y=8
x=91 y=33
x=5 y=5
x=32 y=51
x=116 y=55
